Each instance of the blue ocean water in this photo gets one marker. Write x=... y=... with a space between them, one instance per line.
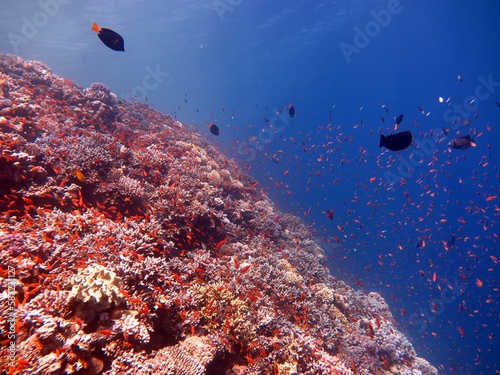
x=240 y=64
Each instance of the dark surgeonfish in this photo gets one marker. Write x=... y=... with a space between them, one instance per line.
x=398 y=120
x=462 y=143
x=291 y=111
x=214 y=129
x=396 y=142
x=110 y=38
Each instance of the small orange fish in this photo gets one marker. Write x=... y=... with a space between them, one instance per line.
x=21 y=364
x=79 y=174
x=491 y=198
x=249 y=360
x=479 y=283
x=245 y=268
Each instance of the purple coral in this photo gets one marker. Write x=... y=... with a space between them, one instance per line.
x=98 y=86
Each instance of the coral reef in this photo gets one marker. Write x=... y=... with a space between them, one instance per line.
x=130 y=245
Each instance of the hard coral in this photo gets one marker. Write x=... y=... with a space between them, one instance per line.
x=209 y=277
x=220 y=306
x=95 y=287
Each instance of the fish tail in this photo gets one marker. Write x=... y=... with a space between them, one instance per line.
x=383 y=140
x=95 y=27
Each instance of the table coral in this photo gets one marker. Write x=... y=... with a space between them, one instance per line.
x=174 y=261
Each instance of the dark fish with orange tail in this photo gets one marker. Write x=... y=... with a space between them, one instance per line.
x=110 y=38
x=396 y=142
x=214 y=129
x=462 y=143
x=398 y=120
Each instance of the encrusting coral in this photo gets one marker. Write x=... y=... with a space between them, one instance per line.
x=138 y=248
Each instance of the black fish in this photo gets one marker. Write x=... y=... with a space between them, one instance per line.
x=398 y=120
x=396 y=142
x=214 y=129
x=291 y=111
x=462 y=143
x=451 y=242
x=110 y=38
x=329 y=214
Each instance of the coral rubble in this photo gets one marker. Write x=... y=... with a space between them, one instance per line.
x=138 y=248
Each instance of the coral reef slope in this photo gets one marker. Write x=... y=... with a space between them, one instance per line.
x=138 y=248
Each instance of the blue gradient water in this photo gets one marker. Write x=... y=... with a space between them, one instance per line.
x=238 y=62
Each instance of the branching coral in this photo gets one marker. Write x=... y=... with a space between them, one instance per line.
x=222 y=309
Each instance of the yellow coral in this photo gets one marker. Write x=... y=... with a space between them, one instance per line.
x=287 y=368
x=220 y=306
x=291 y=275
x=324 y=294
x=96 y=287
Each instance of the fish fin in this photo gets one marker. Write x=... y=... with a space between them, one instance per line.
x=383 y=140
x=95 y=27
